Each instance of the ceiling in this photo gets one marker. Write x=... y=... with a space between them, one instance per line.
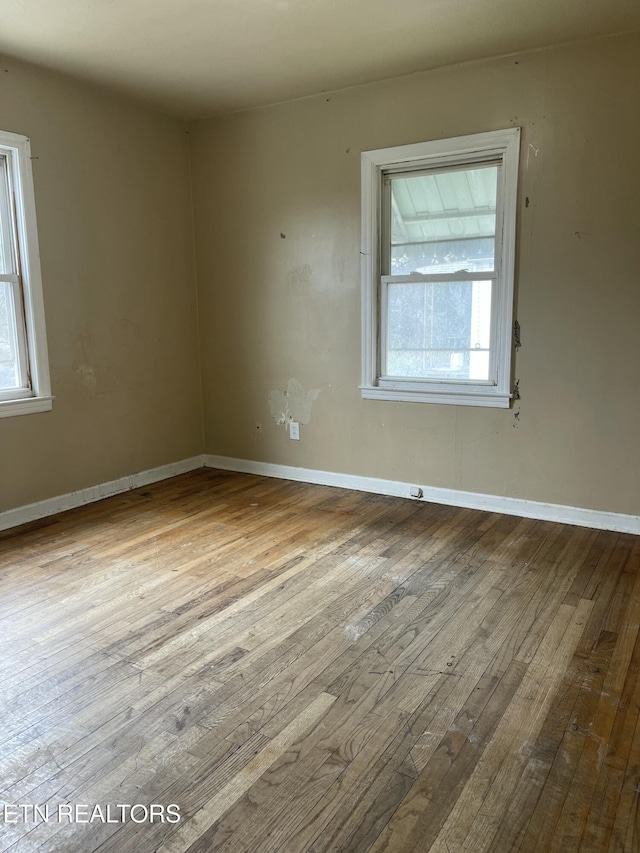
x=199 y=58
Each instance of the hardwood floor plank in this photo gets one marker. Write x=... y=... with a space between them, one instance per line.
x=476 y=815
x=305 y=669
x=211 y=811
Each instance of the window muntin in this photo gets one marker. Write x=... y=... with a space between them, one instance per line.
x=24 y=372
x=438 y=258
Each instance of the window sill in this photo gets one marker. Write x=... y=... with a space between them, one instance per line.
x=478 y=397
x=26 y=406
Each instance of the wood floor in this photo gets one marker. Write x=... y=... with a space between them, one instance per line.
x=300 y=668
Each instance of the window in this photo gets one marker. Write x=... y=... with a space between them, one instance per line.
x=438 y=250
x=24 y=369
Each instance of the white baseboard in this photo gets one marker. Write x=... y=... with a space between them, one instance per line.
x=396 y=488
x=452 y=497
x=51 y=506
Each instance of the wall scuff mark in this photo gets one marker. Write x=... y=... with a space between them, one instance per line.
x=299 y=278
x=87 y=376
x=294 y=404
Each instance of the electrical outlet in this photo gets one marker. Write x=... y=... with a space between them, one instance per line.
x=294 y=430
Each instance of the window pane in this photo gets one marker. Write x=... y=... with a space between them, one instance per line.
x=439 y=330
x=7 y=264
x=444 y=221
x=8 y=350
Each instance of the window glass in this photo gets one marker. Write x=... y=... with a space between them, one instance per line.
x=439 y=330
x=8 y=347
x=7 y=262
x=443 y=220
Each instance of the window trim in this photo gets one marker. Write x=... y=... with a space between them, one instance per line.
x=503 y=145
x=37 y=398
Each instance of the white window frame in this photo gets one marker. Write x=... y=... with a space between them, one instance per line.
x=500 y=145
x=35 y=393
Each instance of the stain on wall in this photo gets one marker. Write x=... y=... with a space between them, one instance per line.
x=86 y=376
x=299 y=277
x=293 y=404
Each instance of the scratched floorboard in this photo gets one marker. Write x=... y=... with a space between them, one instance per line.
x=301 y=668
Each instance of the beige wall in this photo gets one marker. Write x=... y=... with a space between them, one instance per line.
x=114 y=212
x=114 y=215
x=274 y=308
